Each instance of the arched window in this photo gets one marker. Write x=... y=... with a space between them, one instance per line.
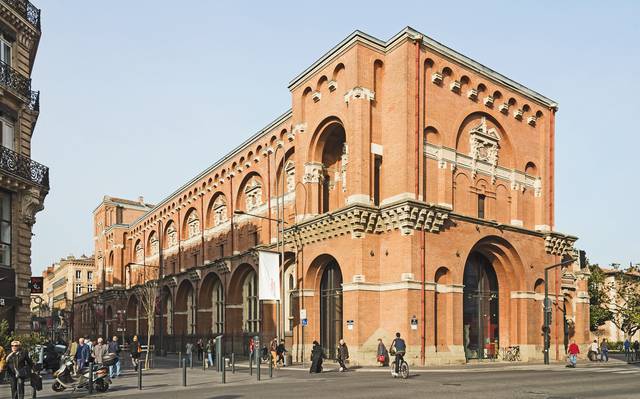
x=251 y=312
x=217 y=302
x=139 y=252
x=172 y=235
x=193 y=224
x=290 y=170
x=153 y=243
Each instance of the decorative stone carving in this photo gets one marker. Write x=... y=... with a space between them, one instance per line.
x=154 y=244
x=30 y=205
x=531 y=120
x=333 y=85
x=488 y=101
x=290 y=136
x=219 y=210
x=484 y=145
x=193 y=224
x=313 y=173
x=504 y=108
x=172 y=236
x=518 y=114
x=557 y=244
x=455 y=86
x=359 y=93
x=344 y=161
x=537 y=187
x=253 y=194
x=299 y=128
x=472 y=94
x=139 y=253
x=436 y=78
x=290 y=170
x=316 y=96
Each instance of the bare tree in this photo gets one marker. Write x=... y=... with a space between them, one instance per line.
x=148 y=293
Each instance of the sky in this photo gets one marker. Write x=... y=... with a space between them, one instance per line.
x=138 y=97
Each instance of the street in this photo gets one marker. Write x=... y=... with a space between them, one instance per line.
x=614 y=379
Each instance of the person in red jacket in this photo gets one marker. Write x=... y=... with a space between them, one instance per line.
x=573 y=351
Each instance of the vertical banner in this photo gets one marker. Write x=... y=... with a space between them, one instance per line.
x=269 y=275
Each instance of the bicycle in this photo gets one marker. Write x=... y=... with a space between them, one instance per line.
x=403 y=370
x=511 y=354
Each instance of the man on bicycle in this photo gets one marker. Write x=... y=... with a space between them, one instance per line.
x=398 y=345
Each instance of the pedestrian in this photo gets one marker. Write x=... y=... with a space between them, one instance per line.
x=572 y=352
x=3 y=364
x=189 y=352
x=89 y=344
x=135 y=351
x=200 y=346
x=604 y=350
x=281 y=351
x=343 y=355
x=81 y=354
x=19 y=368
x=98 y=351
x=209 y=349
x=317 y=354
x=636 y=350
x=72 y=350
x=627 y=349
x=383 y=354
x=273 y=349
x=114 y=347
x=593 y=351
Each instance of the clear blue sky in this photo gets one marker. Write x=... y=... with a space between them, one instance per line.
x=140 y=96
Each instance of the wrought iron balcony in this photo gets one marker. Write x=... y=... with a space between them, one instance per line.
x=23 y=168
x=26 y=10
x=15 y=81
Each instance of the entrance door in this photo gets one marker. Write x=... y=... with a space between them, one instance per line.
x=480 y=307
x=331 y=308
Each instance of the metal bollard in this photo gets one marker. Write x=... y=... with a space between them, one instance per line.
x=184 y=372
x=204 y=362
x=140 y=377
x=251 y=363
x=224 y=371
x=258 y=367
x=270 y=366
x=233 y=363
x=191 y=360
x=90 y=377
x=179 y=359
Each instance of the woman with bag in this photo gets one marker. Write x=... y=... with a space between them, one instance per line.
x=135 y=352
x=383 y=354
x=20 y=367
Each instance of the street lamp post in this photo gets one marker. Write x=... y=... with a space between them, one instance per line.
x=547 y=306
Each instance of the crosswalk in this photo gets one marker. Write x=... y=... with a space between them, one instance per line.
x=611 y=370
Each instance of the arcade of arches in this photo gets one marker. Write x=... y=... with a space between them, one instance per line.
x=434 y=221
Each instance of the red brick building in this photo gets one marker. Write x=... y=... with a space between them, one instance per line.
x=417 y=187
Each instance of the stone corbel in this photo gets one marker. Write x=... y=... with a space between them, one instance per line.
x=333 y=85
x=488 y=101
x=472 y=94
x=518 y=114
x=299 y=128
x=504 y=108
x=455 y=86
x=436 y=78
x=359 y=93
x=31 y=203
x=316 y=96
x=531 y=120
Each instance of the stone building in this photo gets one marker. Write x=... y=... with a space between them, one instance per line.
x=417 y=188
x=24 y=183
x=63 y=281
x=609 y=330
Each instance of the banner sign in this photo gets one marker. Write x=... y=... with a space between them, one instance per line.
x=36 y=284
x=269 y=275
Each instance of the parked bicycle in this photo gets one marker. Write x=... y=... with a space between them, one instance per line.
x=511 y=353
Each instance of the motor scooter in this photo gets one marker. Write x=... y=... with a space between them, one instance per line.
x=66 y=380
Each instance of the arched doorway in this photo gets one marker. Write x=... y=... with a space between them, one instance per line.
x=331 y=308
x=480 y=308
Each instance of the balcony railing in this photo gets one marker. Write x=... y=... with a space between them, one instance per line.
x=23 y=168
x=26 y=10
x=15 y=81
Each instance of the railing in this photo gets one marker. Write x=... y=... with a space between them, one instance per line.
x=26 y=10
x=23 y=167
x=15 y=81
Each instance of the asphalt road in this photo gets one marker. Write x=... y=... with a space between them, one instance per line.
x=593 y=380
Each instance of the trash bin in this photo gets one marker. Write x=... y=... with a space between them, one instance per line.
x=288 y=359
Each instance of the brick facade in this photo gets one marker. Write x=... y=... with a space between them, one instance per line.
x=400 y=165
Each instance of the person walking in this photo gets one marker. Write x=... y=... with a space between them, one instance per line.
x=604 y=350
x=209 y=349
x=594 y=350
x=114 y=347
x=343 y=354
x=81 y=354
x=200 y=346
x=280 y=351
x=317 y=354
x=382 y=354
x=572 y=353
x=3 y=364
x=72 y=350
x=19 y=368
x=636 y=350
x=273 y=349
x=189 y=353
x=627 y=349
x=135 y=351
x=98 y=351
